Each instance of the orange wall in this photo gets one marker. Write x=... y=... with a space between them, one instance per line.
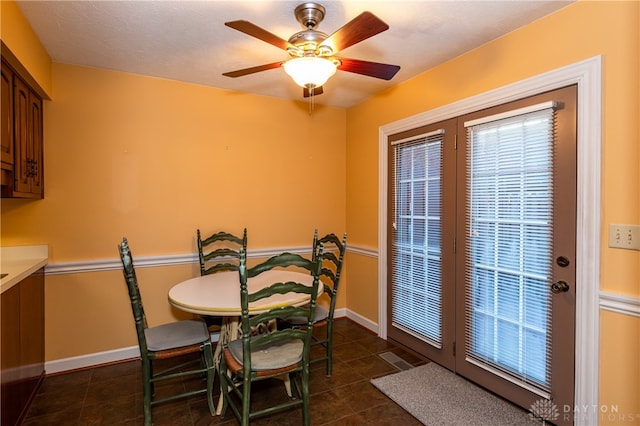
x=153 y=160
x=17 y=35
x=619 y=371
x=575 y=33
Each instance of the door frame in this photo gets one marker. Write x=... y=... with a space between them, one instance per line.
x=587 y=75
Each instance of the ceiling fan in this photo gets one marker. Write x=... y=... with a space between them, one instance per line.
x=313 y=53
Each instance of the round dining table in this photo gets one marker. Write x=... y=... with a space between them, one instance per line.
x=219 y=295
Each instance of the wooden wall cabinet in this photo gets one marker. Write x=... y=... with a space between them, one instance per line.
x=22 y=346
x=6 y=131
x=22 y=138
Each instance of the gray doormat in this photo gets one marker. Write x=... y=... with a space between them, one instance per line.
x=436 y=396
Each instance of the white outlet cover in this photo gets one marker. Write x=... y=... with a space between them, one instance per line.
x=624 y=236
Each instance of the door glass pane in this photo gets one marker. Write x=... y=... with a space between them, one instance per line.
x=510 y=186
x=416 y=295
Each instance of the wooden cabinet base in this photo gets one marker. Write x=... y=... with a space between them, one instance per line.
x=22 y=346
x=17 y=398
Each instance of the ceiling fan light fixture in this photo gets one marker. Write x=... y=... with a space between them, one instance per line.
x=310 y=71
x=312 y=61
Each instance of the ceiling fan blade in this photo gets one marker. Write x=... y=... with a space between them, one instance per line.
x=371 y=69
x=259 y=33
x=306 y=92
x=359 y=28
x=247 y=71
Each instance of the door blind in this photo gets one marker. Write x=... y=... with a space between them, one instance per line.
x=416 y=295
x=508 y=259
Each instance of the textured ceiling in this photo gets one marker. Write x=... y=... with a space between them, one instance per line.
x=188 y=41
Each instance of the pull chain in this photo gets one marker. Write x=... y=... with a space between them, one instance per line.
x=311 y=100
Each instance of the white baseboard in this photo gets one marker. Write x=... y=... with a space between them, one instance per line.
x=365 y=322
x=91 y=360
x=359 y=319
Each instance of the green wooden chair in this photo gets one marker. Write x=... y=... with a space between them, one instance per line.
x=273 y=354
x=172 y=340
x=217 y=253
x=333 y=258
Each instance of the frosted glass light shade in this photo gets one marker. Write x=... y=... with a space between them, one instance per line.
x=310 y=71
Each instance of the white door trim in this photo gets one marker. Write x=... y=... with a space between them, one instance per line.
x=587 y=75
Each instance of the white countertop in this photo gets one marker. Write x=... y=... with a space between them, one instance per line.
x=19 y=262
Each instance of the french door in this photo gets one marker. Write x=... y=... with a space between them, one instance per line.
x=482 y=254
x=422 y=235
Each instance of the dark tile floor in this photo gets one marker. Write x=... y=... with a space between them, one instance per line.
x=112 y=395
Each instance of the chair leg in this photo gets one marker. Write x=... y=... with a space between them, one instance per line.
x=224 y=389
x=153 y=385
x=211 y=375
x=306 y=415
x=329 y=347
x=226 y=386
x=246 y=400
x=146 y=392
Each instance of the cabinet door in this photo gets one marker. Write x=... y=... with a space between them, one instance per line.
x=35 y=144
x=6 y=109
x=28 y=157
x=12 y=397
x=31 y=332
x=21 y=175
x=21 y=346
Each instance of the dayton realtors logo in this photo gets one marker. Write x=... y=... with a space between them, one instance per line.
x=544 y=410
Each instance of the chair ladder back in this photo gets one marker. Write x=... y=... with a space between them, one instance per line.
x=129 y=273
x=225 y=251
x=283 y=312
x=334 y=250
x=284 y=260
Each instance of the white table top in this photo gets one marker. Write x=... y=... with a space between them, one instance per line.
x=219 y=294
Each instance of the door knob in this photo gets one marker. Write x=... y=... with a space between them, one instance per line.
x=559 y=287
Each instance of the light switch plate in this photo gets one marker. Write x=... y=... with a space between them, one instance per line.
x=624 y=236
